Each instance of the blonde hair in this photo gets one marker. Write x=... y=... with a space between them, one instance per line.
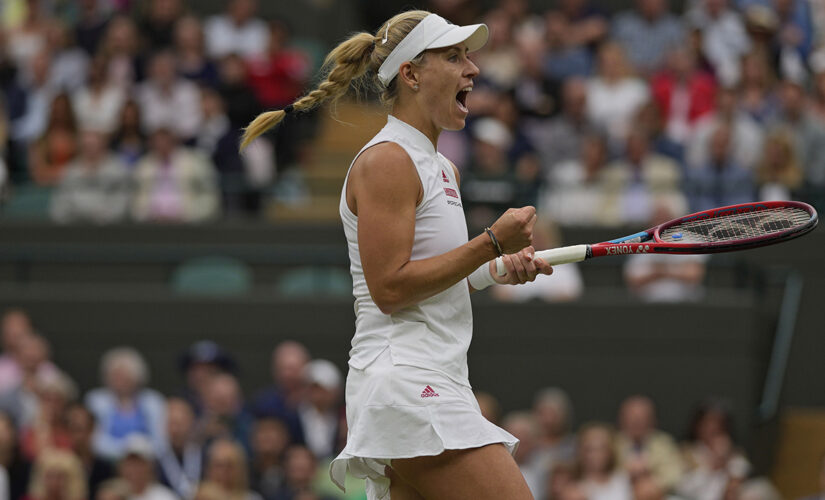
x=64 y=461
x=353 y=62
x=237 y=455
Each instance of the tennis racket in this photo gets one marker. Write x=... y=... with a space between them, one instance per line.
x=723 y=229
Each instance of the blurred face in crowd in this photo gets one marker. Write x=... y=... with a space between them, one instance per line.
x=490 y=158
x=681 y=61
x=561 y=478
x=726 y=100
x=651 y=9
x=792 y=98
x=575 y=98
x=226 y=465
x=715 y=7
x=224 y=395
x=55 y=482
x=242 y=10
x=299 y=467
x=288 y=362
x=163 y=70
x=573 y=492
x=121 y=379
x=33 y=351
x=163 y=142
x=188 y=34
x=93 y=145
x=646 y=488
x=719 y=144
x=16 y=325
x=270 y=437
x=637 y=147
x=550 y=418
x=121 y=36
x=137 y=471
x=711 y=426
x=524 y=429
x=130 y=116
x=594 y=155
x=164 y=11
x=500 y=27
x=637 y=418
x=278 y=36
x=179 y=421
x=39 y=68
x=612 y=63
x=8 y=435
x=232 y=70
x=321 y=397
x=81 y=426
x=211 y=104
x=596 y=451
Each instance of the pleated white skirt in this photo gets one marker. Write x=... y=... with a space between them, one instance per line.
x=400 y=411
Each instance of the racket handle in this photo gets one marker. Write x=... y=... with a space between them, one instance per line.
x=553 y=256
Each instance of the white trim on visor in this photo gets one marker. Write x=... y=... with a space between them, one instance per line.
x=432 y=32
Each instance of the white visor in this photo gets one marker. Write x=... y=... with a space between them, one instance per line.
x=433 y=32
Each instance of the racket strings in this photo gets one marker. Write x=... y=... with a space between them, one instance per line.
x=734 y=227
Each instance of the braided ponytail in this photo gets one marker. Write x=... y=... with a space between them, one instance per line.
x=347 y=63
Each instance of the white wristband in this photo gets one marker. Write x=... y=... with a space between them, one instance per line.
x=481 y=278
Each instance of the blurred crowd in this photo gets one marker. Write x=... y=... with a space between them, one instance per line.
x=215 y=440
x=132 y=110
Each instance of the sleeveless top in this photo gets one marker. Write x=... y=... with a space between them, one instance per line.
x=436 y=332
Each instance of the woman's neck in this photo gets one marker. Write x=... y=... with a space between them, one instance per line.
x=413 y=115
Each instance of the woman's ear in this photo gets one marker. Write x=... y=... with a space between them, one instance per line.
x=408 y=74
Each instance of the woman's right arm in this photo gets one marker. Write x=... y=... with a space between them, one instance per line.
x=383 y=190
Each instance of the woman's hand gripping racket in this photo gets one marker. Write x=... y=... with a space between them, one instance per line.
x=724 y=229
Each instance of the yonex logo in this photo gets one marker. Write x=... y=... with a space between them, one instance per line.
x=428 y=392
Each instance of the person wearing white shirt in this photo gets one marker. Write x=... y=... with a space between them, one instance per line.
x=319 y=414
x=136 y=467
x=237 y=31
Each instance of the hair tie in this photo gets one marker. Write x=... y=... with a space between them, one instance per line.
x=289 y=109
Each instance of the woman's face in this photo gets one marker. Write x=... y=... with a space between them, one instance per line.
x=443 y=78
x=596 y=450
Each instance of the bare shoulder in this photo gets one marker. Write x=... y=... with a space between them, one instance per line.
x=383 y=159
x=384 y=172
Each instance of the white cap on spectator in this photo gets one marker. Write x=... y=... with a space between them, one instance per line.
x=138 y=445
x=493 y=132
x=323 y=373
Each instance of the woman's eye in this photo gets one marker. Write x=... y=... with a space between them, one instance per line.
x=453 y=58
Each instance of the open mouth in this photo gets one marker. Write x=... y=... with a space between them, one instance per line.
x=461 y=98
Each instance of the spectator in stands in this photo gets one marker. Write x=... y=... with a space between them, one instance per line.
x=281 y=400
x=98 y=104
x=121 y=47
x=586 y=24
x=90 y=27
x=614 y=94
x=35 y=364
x=209 y=490
x=69 y=64
x=137 y=468
x=129 y=141
x=52 y=152
x=806 y=128
x=639 y=181
x=500 y=57
x=28 y=38
x=180 y=462
x=202 y=361
x=125 y=405
x=224 y=414
x=47 y=427
x=563 y=57
x=821 y=494
x=758 y=488
x=95 y=186
x=559 y=139
x=226 y=467
x=80 y=425
x=711 y=456
x=301 y=468
x=157 y=23
x=241 y=103
x=113 y=489
x=167 y=100
x=523 y=426
x=554 y=415
x=645 y=487
x=4 y=149
x=173 y=183
x=279 y=75
x=724 y=39
x=57 y=475
x=14 y=327
x=648 y=33
x=722 y=181
x=237 y=31
x=779 y=174
x=270 y=439
x=745 y=133
x=321 y=410
x=489 y=186
x=642 y=448
x=11 y=458
x=489 y=406
x=599 y=473
x=561 y=476
x=795 y=36
x=757 y=96
x=190 y=53
x=566 y=283
x=683 y=92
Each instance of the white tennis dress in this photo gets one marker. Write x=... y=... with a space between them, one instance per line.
x=407 y=392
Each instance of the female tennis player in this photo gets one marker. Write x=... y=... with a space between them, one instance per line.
x=415 y=429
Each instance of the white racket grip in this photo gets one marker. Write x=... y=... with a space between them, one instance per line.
x=553 y=256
